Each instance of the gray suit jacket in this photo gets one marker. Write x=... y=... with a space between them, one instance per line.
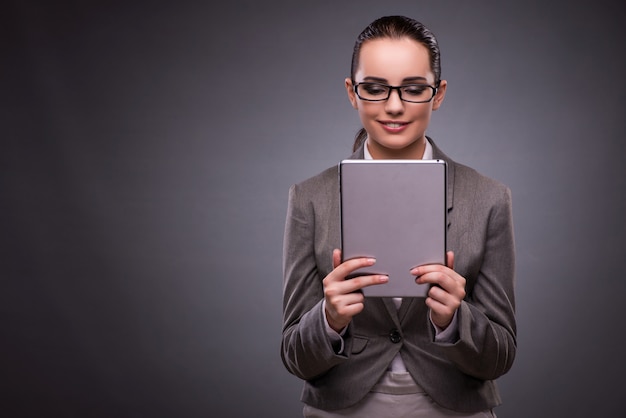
x=458 y=376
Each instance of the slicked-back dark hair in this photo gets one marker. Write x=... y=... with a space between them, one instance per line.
x=396 y=27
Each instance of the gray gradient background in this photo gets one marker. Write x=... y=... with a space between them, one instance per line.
x=147 y=150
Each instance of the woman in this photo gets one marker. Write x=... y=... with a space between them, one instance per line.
x=436 y=356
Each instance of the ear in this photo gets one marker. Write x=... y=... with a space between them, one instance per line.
x=350 y=91
x=441 y=93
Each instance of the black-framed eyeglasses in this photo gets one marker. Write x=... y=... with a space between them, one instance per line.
x=378 y=92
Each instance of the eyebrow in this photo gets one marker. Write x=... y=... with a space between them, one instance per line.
x=384 y=80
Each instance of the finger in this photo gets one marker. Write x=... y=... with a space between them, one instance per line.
x=341 y=308
x=441 y=310
x=443 y=297
x=428 y=268
x=440 y=314
x=436 y=269
x=452 y=284
x=435 y=277
x=442 y=302
x=359 y=282
x=338 y=301
x=348 y=311
x=344 y=269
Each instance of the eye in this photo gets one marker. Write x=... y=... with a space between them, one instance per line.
x=375 y=89
x=414 y=89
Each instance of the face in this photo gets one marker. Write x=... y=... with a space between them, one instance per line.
x=395 y=128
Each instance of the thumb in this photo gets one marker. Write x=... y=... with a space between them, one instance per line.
x=336 y=257
x=450 y=259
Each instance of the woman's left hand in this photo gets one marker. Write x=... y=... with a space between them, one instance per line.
x=447 y=292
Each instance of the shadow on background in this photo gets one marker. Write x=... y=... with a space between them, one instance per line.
x=147 y=150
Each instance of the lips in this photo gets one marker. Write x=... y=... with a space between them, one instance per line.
x=393 y=126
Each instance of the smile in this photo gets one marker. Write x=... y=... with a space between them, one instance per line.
x=394 y=126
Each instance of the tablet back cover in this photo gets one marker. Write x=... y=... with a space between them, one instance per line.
x=394 y=211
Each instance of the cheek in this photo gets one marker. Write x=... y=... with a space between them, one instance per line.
x=367 y=113
x=422 y=113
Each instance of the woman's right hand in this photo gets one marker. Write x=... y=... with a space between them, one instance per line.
x=343 y=300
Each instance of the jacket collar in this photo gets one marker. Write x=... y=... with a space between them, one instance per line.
x=438 y=154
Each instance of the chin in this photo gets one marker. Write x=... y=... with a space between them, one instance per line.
x=397 y=145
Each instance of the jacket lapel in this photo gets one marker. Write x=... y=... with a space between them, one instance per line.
x=439 y=155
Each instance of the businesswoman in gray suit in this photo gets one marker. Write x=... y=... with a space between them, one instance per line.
x=437 y=356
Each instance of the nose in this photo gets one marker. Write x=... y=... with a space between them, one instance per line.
x=394 y=105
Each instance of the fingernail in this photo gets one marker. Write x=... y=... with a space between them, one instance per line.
x=371 y=260
x=384 y=279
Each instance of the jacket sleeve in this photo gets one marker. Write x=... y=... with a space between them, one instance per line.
x=486 y=319
x=306 y=348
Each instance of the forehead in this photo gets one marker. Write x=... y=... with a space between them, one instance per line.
x=394 y=60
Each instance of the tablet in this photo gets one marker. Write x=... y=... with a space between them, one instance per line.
x=394 y=211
